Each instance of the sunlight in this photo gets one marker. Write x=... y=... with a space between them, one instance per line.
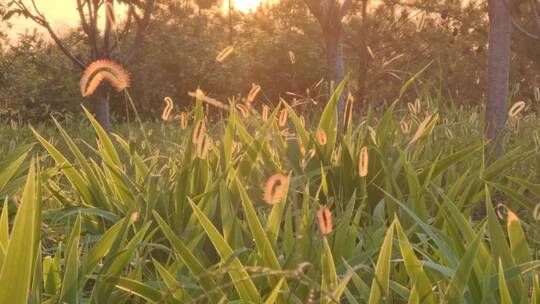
x=245 y=5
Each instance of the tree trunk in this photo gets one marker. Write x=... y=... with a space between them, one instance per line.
x=101 y=108
x=335 y=64
x=363 y=56
x=500 y=27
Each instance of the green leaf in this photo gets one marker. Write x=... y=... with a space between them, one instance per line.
x=191 y=261
x=499 y=247
x=411 y=80
x=175 y=288
x=329 y=274
x=272 y=298
x=264 y=247
x=518 y=242
x=108 y=152
x=4 y=231
x=439 y=166
x=329 y=117
x=70 y=286
x=68 y=169
x=100 y=250
x=11 y=164
x=381 y=281
x=503 y=288
x=240 y=277
x=16 y=272
x=418 y=277
x=140 y=289
x=456 y=288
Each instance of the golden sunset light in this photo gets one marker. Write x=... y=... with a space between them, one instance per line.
x=62 y=14
x=245 y=5
x=269 y=151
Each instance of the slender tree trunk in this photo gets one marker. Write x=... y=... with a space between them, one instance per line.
x=500 y=29
x=364 y=59
x=335 y=64
x=101 y=108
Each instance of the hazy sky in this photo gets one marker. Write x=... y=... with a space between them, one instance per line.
x=63 y=14
x=60 y=13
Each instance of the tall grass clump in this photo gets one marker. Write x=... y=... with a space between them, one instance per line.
x=267 y=208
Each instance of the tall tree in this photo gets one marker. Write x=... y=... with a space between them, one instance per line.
x=330 y=14
x=108 y=43
x=500 y=29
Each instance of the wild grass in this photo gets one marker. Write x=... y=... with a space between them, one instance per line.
x=388 y=211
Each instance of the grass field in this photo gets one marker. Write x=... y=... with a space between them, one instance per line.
x=402 y=207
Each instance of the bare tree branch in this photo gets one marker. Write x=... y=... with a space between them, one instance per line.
x=109 y=23
x=84 y=22
x=141 y=28
x=345 y=7
x=523 y=31
x=316 y=9
x=534 y=7
x=40 y=19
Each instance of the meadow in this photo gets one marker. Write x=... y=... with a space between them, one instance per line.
x=403 y=205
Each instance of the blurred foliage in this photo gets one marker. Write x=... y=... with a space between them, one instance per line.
x=276 y=46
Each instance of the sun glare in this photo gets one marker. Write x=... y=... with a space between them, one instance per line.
x=245 y=5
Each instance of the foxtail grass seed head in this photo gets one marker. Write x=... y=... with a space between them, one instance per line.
x=255 y=89
x=324 y=218
x=273 y=152
x=203 y=146
x=199 y=95
x=536 y=212
x=537 y=94
x=363 y=163
x=418 y=105
x=183 y=120
x=243 y=110
x=421 y=129
x=473 y=118
x=283 y=117
x=285 y=132
x=411 y=107
x=236 y=147
x=347 y=115
x=224 y=54
x=372 y=134
x=420 y=25
x=405 y=127
x=199 y=131
x=321 y=137
x=302 y=147
x=99 y=71
x=291 y=57
x=275 y=188
x=318 y=83
x=516 y=108
x=449 y=133
x=169 y=105
x=501 y=210
x=311 y=296
x=536 y=137
x=265 y=112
